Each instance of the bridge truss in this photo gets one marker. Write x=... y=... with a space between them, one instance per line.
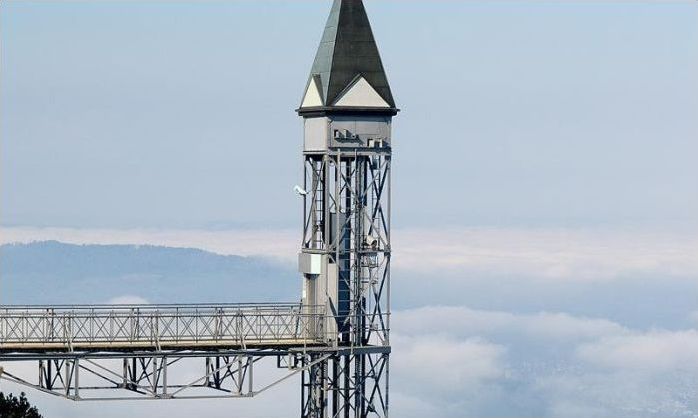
x=129 y=352
x=158 y=351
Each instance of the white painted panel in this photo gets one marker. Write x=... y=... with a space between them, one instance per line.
x=312 y=96
x=309 y=263
x=361 y=94
x=315 y=134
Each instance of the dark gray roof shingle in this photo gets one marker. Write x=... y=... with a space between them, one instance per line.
x=347 y=50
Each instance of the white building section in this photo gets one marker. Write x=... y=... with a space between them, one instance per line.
x=312 y=96
x=361 y=94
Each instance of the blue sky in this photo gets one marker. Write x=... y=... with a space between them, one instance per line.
x=157 y=114
x=545 y=187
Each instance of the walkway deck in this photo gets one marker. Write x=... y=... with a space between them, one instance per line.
x=82 y=328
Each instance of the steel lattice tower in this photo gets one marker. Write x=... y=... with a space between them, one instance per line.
x=345 y=256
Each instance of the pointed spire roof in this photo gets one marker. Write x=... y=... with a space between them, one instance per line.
x=347 y=65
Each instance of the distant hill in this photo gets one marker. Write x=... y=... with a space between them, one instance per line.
x=55 y=272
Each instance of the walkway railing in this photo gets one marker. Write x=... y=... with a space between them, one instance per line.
x=155 y=327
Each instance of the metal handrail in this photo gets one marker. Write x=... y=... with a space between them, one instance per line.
x=152 y=326
x=150 y=306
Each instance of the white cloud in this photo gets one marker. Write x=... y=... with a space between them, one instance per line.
x=553 y=254
x=409 y=405
x=654 y=351
x=465 y=322
x=439 y=365
x=548 y=253
x=544 y=364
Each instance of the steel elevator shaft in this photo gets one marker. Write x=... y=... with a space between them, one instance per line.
x=347 y=232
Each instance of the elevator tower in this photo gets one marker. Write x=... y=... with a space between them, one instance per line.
x=347 y=109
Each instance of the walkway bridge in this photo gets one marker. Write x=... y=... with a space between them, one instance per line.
x=84 y=352
x=157 y=327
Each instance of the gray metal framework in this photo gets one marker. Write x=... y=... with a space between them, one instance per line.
x=158 y=327
x=347 y=220
x=130 y=352
x=162 y=374
x=150 y=351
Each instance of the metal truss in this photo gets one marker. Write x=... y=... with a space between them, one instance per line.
x=347 y=218
x=158 y=327
x=151 y=351
x=83 y=351
x=86 y=376
x=347 y=385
